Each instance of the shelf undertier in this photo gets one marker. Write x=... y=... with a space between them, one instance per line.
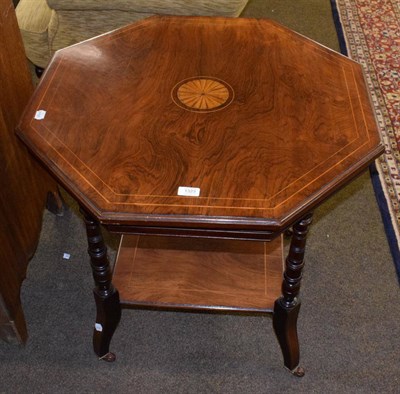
x=197 y=273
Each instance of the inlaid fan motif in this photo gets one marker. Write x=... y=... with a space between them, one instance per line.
x=202 y=94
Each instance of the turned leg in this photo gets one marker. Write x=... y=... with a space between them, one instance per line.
x=106 y=296
x=286 y=308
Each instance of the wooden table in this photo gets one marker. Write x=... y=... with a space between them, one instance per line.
x=213 y=132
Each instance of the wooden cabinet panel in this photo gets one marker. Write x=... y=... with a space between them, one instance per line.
x=23 y=183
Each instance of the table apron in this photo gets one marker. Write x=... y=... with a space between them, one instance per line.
x=246 y=235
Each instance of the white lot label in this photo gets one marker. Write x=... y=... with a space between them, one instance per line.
x=98 y=327
x=188 y=191
x=39 y=115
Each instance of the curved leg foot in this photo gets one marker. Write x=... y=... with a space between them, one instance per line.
x=285 y=327
x=107 y=319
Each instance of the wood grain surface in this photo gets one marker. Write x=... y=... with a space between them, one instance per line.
x=298 y=126
x=23 y=183
x=199 y=273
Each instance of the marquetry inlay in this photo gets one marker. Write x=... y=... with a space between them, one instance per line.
x=239 y=118
x=202 y=94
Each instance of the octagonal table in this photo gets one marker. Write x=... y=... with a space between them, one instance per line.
x=201 y=140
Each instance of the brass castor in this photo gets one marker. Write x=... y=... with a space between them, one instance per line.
x=299 y=372
x=109 y=357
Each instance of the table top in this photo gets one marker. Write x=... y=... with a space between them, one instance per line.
x=198 y=121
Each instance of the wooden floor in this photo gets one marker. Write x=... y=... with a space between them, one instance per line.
x=199 y=273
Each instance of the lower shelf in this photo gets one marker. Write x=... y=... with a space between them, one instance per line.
x=199 y=273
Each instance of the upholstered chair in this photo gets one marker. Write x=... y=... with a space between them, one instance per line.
x=49 y=25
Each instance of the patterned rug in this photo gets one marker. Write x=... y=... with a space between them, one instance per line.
x=369 y=31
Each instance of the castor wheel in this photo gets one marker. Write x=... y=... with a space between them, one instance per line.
x=298 y=372
x=109 y=357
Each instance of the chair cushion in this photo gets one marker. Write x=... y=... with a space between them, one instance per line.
x=49 y=25
x=76 y=26
x=33 y=15
x=175 y=7
x=33 y=19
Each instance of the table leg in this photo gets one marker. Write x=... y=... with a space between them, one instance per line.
x=106 y=296
x=286 y=308
x=55 y=202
